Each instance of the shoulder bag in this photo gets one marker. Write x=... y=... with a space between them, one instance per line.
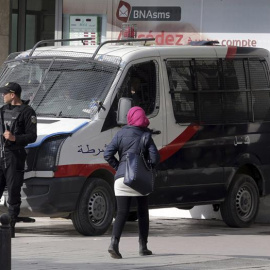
x=139 y=174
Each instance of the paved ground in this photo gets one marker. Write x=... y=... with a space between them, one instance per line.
x=176 y=244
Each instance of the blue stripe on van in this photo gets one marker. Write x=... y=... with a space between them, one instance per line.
x=35 y=144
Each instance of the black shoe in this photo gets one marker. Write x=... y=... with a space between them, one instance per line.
x=143 y=250
x=25 y=219
x=114 y=248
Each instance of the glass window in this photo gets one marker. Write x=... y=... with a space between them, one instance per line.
x=141 y=85
x=14 y=26
x=70 y=88
x=207 y=75
x=31 y=30
x=14 y=34
x=40 y=21
x=259 y=77
x=219 y=91
x=182 y=86
x=209 y=86
x=258 y=73
x=234 y=76
x=236 y=97
x=32 y=22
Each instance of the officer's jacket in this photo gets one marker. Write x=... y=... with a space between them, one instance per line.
x=21 y=121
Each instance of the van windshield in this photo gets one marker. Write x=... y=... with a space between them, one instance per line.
x=61 y=87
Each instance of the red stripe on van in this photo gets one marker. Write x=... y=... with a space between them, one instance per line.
x=166 y=152
x=178 y=143
x=81 y=169
x=231 y=52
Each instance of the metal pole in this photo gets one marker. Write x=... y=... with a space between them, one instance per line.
x=5 y=243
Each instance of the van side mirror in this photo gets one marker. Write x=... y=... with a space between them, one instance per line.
x=124 y=104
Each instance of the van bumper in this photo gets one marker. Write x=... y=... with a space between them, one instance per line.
x=53 y=197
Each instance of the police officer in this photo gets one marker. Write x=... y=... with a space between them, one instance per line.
x=17 y=129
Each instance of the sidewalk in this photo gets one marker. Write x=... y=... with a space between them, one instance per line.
x=176 y=244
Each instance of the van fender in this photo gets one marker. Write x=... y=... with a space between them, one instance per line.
x=250 y=164
x=247 y=158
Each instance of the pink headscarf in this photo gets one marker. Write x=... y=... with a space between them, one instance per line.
x=136 y=117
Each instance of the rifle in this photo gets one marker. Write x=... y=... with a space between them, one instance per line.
x=2 y=141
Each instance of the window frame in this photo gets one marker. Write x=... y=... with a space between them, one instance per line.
x=127 y=82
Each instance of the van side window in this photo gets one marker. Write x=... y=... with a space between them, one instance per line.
x=207 y=75
x=219 y=91
x=208 y=86
x=235 y=97
x=142 y=85
x=182 y=89
x=260 y=88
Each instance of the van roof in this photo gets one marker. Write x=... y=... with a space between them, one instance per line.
x=132 y=52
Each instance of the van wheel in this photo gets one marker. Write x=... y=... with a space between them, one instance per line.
x=95 y=208
x=241 y=205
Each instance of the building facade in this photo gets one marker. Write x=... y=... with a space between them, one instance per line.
x=174 y=22
x=25 y=22
x=4 y=29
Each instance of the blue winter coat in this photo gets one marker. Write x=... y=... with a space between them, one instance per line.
x=127 y=140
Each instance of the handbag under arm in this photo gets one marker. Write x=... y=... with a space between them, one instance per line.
x=139 y=174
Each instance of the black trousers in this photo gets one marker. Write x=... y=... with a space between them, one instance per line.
x=123 y=206
x=11 y=175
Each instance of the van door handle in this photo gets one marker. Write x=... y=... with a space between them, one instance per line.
x=241 y=140
x=156 y=132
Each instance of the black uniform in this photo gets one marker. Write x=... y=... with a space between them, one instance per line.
x=20 y=120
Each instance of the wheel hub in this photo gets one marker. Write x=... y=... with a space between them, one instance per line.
x=97 y=207
x=243 y=202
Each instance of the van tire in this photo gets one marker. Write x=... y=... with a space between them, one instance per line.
x=95 y=208
x=241 y=205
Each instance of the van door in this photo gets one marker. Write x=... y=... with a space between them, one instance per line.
x=140 y=81
x=194 y=155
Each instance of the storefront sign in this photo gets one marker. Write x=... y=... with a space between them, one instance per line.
x=147 y=13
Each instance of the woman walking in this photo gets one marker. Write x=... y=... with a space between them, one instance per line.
x=128 y=140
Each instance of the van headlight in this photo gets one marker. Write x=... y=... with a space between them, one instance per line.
x=47 y=154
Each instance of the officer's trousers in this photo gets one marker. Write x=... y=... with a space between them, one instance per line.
x=11 y=175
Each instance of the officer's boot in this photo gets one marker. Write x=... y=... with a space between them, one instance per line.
x=114 y=248
x=143 y=250
x=12 y=227
x=13 y=210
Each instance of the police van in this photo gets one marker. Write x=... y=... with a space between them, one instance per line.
x=209 y=111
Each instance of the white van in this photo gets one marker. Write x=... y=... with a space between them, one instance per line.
x=209 y=108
